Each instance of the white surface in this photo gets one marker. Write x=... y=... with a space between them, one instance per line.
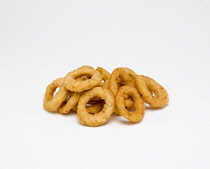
x=166 y=40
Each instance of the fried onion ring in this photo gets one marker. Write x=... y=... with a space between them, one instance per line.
x=119 y=73
x=146 y=85
x=101 y=117
x=52 y=103
x=138 y=114
x=72 y=84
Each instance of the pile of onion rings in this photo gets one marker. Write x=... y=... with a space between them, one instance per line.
x=95 y=94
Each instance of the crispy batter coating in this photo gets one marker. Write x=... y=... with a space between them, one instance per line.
x=119 y=73
x=146 y=85
x=101 y=117
x=52 y=103
x=138 y=114
x=72 y=84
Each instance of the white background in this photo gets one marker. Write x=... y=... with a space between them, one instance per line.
x=44 y=39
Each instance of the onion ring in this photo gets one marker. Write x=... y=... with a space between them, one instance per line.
x=138 y=114
x=52 y=103
x=100 y=118
x=79 y=86
x=118 y=78
x=121 y=74
x=146 y=85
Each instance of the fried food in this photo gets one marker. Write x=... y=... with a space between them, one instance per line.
x=95 y=94
x=138 y=114
x=52 y=102
x=146 y=85
x=119 y=73
x=101 y=117
x=71 y=84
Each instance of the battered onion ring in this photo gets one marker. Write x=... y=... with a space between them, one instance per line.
x=138 y=114
x=71 y=84
x=121 y=74
x=146 y=85
x=52 y=103
x=72 y=101
x=100 y=118
x=118 y=78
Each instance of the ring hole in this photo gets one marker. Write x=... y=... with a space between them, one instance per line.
x=85 y=77
x=153 y=95
x=89 y=104
x=132 y=109
x=69 y=96
x=82 y=78
x=128 y=101
x=56 y=91
x=126 y=96
x=95 y=106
